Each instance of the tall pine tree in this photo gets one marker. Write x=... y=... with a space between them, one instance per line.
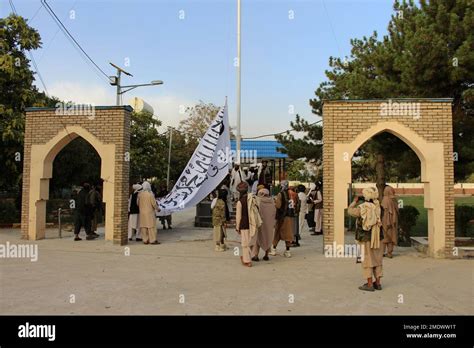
x=428 y=52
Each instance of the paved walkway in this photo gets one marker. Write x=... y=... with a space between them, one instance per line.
x=185 y=276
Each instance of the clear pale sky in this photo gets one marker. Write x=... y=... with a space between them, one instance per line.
x=283 y=58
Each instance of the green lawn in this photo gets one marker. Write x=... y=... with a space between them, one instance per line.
x=421 y=228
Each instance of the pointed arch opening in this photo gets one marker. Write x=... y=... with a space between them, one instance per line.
x=385 y=159
x=431 y=177
x=43 y=159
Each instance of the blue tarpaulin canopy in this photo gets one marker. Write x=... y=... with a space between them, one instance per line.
x=265 y=149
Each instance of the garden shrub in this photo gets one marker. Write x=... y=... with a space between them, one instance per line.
x=406 y=221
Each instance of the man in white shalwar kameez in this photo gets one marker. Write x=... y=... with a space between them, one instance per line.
x=236 y=177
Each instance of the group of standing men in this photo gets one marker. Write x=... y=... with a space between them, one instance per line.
x=254 y=176
x=142 y=210
x=274 y=220
x=261 y=220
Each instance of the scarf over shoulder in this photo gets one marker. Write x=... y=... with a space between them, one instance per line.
x=370 y=214
x=255 y=220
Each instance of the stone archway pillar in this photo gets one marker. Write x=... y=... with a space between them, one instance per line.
x=437 y=202
x=46 y=133
x=348 y=124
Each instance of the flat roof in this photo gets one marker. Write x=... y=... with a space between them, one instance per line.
x=108 y=107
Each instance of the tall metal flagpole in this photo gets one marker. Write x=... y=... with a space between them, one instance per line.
x=239 y=62
x=170 y=129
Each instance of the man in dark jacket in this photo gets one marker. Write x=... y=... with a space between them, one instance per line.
x=83 y=213
x=95 y=201
x=265 y=175
x=167 y=218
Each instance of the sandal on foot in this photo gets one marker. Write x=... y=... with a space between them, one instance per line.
x=255 y=258
x=377 y=287
x=266 y=258
x=366 y=287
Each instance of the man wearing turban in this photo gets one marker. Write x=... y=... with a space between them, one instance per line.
x=147 y=216
x=247 y=222
x=368 y=235
x=267 y=210
x=284 y=220
x=133 y=212
x=389 y=220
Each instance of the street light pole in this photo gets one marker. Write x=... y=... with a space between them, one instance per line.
x=115 y=81
x=118 y=87
x=170 y=129
x=239 y=62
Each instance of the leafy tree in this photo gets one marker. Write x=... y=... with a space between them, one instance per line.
x=148 y=148
x=428 y=52
x=182 y=149
x=78 y=161
x=298 y=171
x=199 y=119
x=16 y=93
x=399 y=166
x=308 y=146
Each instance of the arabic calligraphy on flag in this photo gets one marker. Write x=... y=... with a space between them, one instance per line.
x=208 y=166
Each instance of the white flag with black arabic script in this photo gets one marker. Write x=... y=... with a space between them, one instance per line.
x=208 y=166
